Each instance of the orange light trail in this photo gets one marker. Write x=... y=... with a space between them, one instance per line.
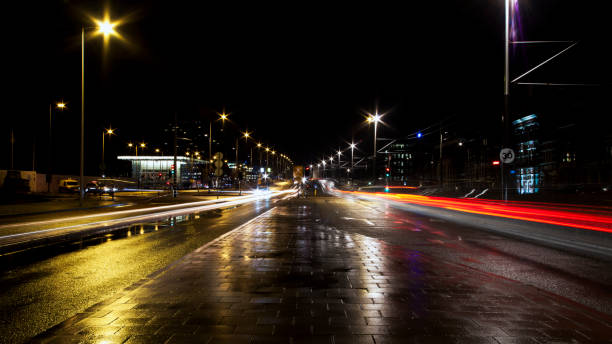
x=591 y=218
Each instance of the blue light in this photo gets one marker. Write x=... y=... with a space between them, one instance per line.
x=512 y=171
x=386 y=189
x=419 y=135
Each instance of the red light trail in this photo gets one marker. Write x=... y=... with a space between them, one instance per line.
x=592 y=218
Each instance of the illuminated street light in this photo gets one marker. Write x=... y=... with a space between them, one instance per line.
x=352 y=145
x=60 y=106
x=374 y=119
x=106 y=28
x=109 y=132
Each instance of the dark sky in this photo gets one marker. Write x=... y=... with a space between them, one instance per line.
x=298 y=74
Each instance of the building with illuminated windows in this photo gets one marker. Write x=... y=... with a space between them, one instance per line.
x=157 y=171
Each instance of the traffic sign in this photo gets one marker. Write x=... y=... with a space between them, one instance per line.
x=506 y=155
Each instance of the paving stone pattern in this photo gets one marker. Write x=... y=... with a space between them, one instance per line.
x=286 y=278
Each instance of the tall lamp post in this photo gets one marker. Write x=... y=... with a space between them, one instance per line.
x=374 y=119
x=108 y=132
x=352 y=153
x=107 y=29
x=60 y=106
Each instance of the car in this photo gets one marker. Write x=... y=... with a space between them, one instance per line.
x=69 y=185
x=92 y=187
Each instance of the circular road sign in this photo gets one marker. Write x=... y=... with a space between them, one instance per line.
x=506 y=155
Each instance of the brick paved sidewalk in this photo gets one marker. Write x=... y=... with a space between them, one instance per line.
x=284 y=278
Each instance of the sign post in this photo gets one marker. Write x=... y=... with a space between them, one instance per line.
x=506 y=156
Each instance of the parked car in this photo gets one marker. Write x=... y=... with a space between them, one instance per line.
x=68 y=185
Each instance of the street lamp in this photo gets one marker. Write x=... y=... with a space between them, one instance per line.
x=374 y=119
x=106 y=28
x=352 y=145
x=105 y=132
x=60 y=106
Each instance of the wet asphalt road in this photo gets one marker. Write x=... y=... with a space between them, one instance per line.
x=303 y=273
x=65 y=280
x=584 y=280
x=42 y=287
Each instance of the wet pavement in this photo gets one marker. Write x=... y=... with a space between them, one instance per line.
x=43 y=286
x=295 y=275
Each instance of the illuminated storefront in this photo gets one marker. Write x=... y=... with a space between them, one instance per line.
x=158 y=170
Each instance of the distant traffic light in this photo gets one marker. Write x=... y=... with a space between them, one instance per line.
x=419 y=135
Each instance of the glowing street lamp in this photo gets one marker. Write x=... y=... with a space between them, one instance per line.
x=108 y=132
x=59 y=106
x=352 y=145
x=374 y=119
x=106 y=28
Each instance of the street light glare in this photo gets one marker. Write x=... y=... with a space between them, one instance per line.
x=61 y=105
x=106 y=27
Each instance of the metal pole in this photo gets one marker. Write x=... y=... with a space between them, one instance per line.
x=34 y=153
x=440 y=164
x=505 y=118
x=103 y=152
x=82 y=167
x=210 y=140
x=374 y=160
x=12 y=147
x=174 y=186
x=49 y=168
x=236 y=157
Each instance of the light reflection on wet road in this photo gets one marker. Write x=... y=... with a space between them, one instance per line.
x=41 y=287
x=582 y=279
x=43 y=293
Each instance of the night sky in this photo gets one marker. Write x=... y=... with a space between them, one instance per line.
x=299 y=74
